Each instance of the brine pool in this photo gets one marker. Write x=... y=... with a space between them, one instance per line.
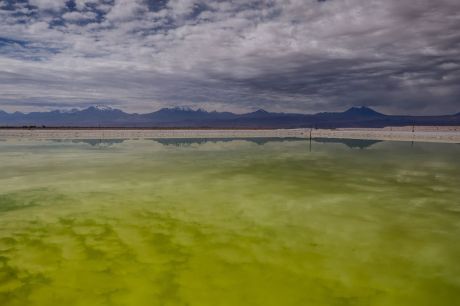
x=229 y=222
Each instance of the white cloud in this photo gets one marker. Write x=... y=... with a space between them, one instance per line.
x=38 y=27
x=183 y=7
x=125 y=10
x=76 y=16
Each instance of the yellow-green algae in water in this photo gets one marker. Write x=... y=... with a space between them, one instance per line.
x=158 y=222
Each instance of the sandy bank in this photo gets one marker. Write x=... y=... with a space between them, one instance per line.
x=427 y=134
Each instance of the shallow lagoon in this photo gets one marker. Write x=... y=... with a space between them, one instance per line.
x=229 y=222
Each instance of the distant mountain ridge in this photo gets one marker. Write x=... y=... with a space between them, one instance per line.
x=102 y=116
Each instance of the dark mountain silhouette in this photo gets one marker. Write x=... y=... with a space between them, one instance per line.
x=261 y=113
x=95 y=116
x=183 y=142
x=362 y=112
x=351 y=143
x=98 y=142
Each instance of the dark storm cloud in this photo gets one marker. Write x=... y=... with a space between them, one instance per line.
x=290 y=55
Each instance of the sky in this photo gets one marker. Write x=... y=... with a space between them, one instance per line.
x=396 y=56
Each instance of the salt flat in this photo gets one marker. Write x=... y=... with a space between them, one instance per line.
x=448 y=134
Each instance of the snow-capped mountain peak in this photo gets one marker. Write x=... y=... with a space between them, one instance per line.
x=103 y=107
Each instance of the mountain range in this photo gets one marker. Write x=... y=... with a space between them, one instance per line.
x=96 y=116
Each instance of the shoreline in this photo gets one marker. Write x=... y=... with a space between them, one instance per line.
x=443 y=134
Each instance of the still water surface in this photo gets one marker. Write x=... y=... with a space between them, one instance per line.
x=229 y=222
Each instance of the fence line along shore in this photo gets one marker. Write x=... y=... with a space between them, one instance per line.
x=448 y=134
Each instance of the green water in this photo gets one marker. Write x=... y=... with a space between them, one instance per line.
x=146 y=222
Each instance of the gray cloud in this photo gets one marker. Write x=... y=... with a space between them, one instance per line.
x=293 y=55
